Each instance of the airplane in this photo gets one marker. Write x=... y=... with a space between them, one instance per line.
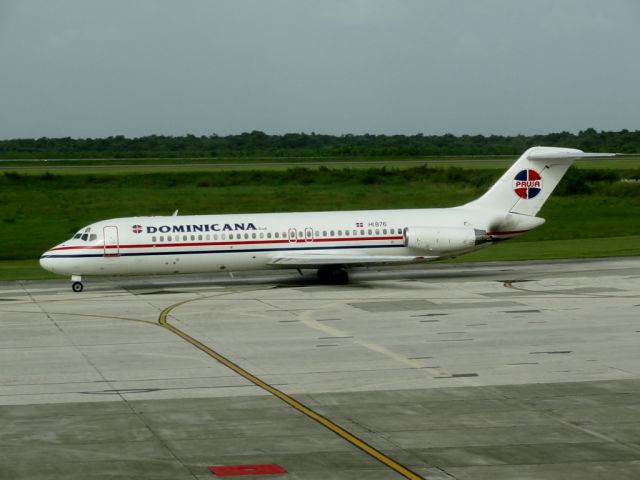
x=329 y=242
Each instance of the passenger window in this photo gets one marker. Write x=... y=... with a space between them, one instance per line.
x=193 y=237
x=253 y=235
x=284 y=234
x=384 y=232
x=277 y=234
x=184 y=238
x=324 y=233
x=377 y=231
x=199 y=237
x=162 y=238
x=223 y=236
x=332 y=233
x=230 y=236
x=268 y=234
x=261 y=234
x=361 y=232
x=215 y=236
x=246 y=236
x=208 y=237
x=370 y=231
x=153 y=239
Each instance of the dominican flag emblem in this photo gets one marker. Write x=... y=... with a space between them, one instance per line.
x=527 y=184
x=137 y=229
x=359 y=224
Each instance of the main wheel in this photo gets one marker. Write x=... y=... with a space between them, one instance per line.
x=340 y=277
x=333 y=276
x=77 y=287
x=325 y=274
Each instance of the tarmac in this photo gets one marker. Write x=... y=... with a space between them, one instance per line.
x=518 y=370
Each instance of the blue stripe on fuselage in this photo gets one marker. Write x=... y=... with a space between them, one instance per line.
x=201 y=252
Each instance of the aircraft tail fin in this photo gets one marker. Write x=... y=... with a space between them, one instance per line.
x=529 y=182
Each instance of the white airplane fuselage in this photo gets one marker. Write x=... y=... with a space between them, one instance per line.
x=328 y=241
x=209 y=243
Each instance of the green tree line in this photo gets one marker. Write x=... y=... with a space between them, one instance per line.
x=259 y=144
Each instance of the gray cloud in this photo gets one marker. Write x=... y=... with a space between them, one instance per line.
x=95 y=68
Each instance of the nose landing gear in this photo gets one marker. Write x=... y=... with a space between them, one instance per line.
x=77 y=286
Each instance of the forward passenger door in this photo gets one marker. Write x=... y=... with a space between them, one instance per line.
x=111 y=241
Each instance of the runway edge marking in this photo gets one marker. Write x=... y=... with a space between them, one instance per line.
x=325 y=422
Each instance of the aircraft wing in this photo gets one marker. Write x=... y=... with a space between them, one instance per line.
x=317 y=260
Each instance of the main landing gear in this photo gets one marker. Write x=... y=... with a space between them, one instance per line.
x=77 y=286
x=333 y=275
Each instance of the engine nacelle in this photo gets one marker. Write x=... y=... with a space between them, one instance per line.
x=444 y=239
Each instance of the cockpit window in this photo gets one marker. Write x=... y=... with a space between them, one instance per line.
x=85 y=235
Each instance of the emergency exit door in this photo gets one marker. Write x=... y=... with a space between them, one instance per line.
x=111 y=242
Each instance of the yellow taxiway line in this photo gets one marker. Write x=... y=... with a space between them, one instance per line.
x=325 y=422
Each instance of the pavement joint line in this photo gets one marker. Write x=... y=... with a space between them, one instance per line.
x=104 y=380
x=83 y=315
x=325 y=422
x=569 y=293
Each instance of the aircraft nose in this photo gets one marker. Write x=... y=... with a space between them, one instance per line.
x=46 y=262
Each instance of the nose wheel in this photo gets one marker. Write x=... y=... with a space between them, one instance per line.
x=77 y=286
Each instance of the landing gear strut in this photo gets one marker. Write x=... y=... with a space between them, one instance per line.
x=333 y=275
x=76 y=286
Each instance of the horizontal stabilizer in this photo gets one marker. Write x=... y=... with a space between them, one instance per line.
x=565 y=155
x=317 y=260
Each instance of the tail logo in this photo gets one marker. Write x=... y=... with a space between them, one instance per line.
x=527 y=184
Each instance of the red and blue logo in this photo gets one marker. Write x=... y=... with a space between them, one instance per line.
x=137 y=229
x=527 y=184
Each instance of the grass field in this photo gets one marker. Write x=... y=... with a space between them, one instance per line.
x=154 y=165
x=595 y=212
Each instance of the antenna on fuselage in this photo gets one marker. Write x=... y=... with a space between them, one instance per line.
x=175 y=214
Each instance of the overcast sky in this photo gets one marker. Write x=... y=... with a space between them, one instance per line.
x=89 y=68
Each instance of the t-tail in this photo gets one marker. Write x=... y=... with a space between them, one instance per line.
x=512 y=203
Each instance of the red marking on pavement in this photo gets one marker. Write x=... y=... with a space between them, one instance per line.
x=238 y=470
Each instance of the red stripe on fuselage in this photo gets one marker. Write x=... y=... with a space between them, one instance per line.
x=228 y=243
